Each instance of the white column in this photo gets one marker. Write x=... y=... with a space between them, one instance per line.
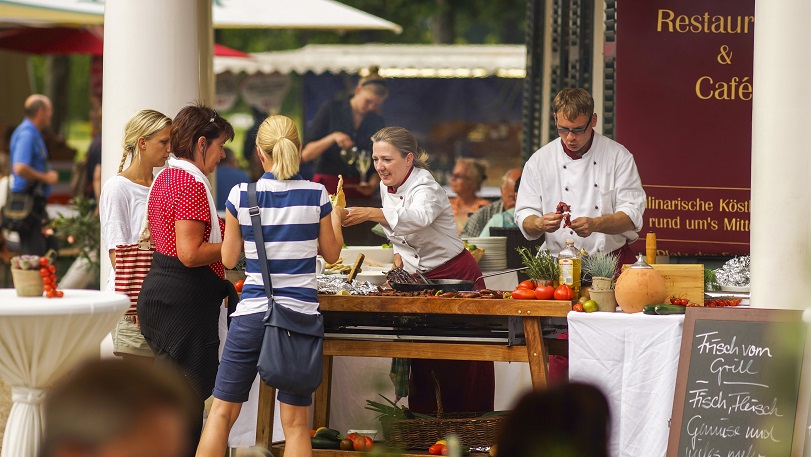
x=781 y=155
x=157 y=55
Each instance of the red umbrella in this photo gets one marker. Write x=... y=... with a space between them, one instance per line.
x=65 y=40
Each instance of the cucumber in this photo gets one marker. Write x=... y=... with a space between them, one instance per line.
x=329 y=434
x=324 y=443
x=670 y=309
x=649 y=309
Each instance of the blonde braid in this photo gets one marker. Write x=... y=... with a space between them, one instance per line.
x=124 y=158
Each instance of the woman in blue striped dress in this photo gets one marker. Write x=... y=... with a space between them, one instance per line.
x=299 y=224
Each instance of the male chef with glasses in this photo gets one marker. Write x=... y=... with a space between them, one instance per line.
x=594 y=176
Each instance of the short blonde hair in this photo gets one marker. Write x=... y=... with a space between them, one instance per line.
x=144 y=123
x=278 y=138
x=404 y=141
x=573 y=103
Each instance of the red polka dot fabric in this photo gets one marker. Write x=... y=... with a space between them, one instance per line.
x=177 y=196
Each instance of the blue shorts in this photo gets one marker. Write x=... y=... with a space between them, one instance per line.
x=238 y=365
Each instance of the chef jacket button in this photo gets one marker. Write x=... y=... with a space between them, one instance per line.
x=595 y=207
x=401 y=197
x=571 y=232
x=403 y=241
x=595 y=184
x=564 y=167
x=416 y=256
x=595 y=162
x=567 y=189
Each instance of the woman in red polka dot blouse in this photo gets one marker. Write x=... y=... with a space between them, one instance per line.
x=180 y=299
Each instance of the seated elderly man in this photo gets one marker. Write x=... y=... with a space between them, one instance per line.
x=504 y=219
x=478 y=220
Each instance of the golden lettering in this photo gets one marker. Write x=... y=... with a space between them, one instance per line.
x=736 y=224
x=665 y=222
x=668 y=21
x=734 y=89
x=678 y=204
x=730 y=205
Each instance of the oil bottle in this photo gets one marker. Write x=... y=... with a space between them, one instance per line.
x=569 y=263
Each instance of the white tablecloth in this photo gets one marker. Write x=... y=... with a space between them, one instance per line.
x=633 y=358
x=40 y=340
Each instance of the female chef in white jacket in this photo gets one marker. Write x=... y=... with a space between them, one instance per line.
x=418 y=220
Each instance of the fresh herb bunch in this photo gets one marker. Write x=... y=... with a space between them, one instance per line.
x=541 y=265
x=82 y=231
x=600 y=264
x=710 y=280
x=391 y=411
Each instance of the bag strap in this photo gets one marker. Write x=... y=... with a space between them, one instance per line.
x=256 y=220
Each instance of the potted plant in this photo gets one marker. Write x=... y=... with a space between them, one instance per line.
x=542 y=267
x=81 y=231
x=602 y=267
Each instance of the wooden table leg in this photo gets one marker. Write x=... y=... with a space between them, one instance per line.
x=536 y=351
x=321 y=399
x=264 y=419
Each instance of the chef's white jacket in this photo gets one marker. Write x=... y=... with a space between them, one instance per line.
x=605 y=180
x=420 y=222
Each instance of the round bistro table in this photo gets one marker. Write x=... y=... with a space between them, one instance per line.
x=41 y=339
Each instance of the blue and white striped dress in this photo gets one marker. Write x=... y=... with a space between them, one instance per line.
x=291 y=212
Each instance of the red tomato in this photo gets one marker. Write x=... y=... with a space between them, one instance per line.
x=238 y=285
x=352 y=436
x=578 y=307
x=363 y=443
x=445 y=449
x=564 y=292
x=44 y=261
x=436 y=449
x=523 y=294
x=544 y=292
x=526 y=284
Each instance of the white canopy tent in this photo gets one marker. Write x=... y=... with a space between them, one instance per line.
x=403 y=61
x=286 y=14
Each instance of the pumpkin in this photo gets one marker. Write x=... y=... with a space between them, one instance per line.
x=638 y=286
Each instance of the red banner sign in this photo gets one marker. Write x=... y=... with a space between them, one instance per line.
x=684 y=110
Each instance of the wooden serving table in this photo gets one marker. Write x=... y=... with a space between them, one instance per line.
x=535 y=352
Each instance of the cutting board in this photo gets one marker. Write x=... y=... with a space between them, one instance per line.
x=682 y=280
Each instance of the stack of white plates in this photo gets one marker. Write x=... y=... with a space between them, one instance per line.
x=495 y=252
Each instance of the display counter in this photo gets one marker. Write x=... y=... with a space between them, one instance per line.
x=452 y=311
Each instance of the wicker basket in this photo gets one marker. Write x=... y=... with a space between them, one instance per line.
x=472 y=429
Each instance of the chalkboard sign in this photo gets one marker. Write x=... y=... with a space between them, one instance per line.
x=742 y=384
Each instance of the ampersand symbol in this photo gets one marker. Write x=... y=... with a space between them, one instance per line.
x=725 y=57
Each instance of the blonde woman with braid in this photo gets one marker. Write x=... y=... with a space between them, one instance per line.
x=121 y=209
x=299 y=223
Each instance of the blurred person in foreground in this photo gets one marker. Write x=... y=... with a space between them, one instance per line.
x=593 y=174
x=476 y=222
x=466 y=179
x=343 y=125
x=565 y=420
x=31 y=172
x=180 y=299
x=122 y=206
x=417 y=218
x=299 y=224
x=112 y=408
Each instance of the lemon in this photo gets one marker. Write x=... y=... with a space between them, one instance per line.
x=590 y=306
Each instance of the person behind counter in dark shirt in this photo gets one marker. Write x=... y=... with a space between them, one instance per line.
x=347 y=124
x=228 y=176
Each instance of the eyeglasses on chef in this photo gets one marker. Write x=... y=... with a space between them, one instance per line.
x=563 y=131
